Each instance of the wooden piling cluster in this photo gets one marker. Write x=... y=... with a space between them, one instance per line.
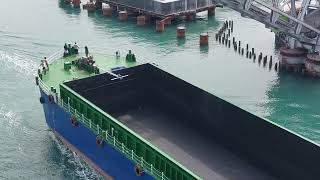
x=224 y=37
x=224 y=33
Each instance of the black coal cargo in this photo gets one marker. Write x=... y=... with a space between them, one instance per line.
x=149 y=100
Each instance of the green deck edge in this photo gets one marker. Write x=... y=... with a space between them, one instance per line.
x=57 y=75
x=132 y=132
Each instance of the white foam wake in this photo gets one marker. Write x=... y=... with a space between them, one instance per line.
x=82 y=170
x=20 y=64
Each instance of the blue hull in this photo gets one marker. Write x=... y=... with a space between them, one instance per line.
x=106 y=160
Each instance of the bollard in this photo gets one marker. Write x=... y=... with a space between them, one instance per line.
x=106 y=10
x=204 y=39
x=123 y=15
x=270 y=64
x=242 y=50
x=181 y=31
x=250 y=55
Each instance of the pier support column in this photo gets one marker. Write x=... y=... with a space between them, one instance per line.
x=123 y=15
x=204 y=39
x=181 y=32
x=76 y=3
x=67 y=1
x=212 y=11
x=159 y=26
x=107 y=11
x=167 y=20
x=292 y=59
x=190 y=17
x=313 y=64
x=141 y=20
x=90 y=7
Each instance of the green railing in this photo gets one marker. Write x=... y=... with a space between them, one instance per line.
x=109 y=138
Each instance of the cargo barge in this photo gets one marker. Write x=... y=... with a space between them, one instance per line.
x=136 y=121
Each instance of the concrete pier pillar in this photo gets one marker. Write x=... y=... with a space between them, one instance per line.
x=107 y=11
x=204 y=39
x=159 y=26
x=313 y=64
x=181 y=32
x=123 y=15
x=212 y=11
x=76 y=3
x=292 y=59
x=141 y=20
x=90 y=7
x=167 y=21
x=190 y=17
x=67 y=1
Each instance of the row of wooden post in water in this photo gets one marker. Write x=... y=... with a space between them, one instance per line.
x=224 y=36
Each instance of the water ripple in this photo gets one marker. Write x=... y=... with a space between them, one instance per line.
x=20 y=64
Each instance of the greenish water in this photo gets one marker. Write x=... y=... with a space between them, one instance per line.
x=37 y=28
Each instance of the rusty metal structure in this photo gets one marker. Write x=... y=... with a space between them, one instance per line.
x=163 y=8
x=299 y=27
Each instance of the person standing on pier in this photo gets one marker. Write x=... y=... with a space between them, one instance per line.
x=76 y=48
x=86 y=51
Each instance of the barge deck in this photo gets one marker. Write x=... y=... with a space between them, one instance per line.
x=195 y=152
x=186 y=132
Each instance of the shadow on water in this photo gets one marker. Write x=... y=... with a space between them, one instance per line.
x=293 y=103
x=69 y=9
x=204 y=49
x=181 y=41
x=146 y=33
